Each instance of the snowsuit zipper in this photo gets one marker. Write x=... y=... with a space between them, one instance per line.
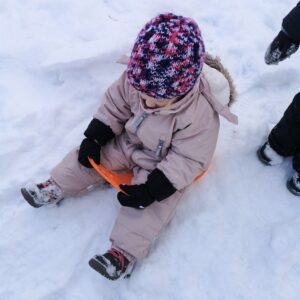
x=140 y=120
x=159 y=147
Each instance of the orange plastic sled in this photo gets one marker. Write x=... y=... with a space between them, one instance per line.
x=200 y=175
x=115 y=179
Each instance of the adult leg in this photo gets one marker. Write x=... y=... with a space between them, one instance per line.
x=296 y=163
x=293 y=183
x=285 y=136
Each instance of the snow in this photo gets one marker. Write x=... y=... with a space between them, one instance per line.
x=236 y=234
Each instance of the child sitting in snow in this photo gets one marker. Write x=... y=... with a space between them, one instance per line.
x=160 y=119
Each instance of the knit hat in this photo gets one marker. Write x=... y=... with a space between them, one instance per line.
x=167 y=57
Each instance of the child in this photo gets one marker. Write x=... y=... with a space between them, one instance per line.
x=160 y=119
x=284 y=139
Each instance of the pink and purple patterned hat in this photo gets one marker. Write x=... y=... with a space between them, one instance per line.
x=167 y=57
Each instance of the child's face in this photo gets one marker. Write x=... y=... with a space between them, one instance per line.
x=154 y=103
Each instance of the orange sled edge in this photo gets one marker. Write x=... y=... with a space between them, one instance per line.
x=115 y=179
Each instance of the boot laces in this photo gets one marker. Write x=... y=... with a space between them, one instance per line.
x=119 y=256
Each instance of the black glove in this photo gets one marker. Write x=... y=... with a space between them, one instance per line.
x=89 y=148
x=138 y=196
x=281 y=48
x=99 y=131
x=98 y=134
x=157 y=187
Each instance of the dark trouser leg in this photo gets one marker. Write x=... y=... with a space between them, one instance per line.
x=296 y=163
x=285 y=136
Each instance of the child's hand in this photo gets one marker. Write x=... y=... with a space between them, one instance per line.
x=138 y=196
x=157 y=187
x=89 y=148
x=99 y=132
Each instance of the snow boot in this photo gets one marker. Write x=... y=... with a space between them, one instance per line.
x=268 y=156
x=293 y=184
x=45 y=193
x=281 y=48
x=112 y=265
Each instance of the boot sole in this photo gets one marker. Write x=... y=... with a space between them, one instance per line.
x=100 y=268
x=29 y=198
x=293 y=191
x=97 y=266
x=261 y=159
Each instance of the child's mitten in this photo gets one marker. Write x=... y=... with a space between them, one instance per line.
x=157 y=187
x=89 y=148
x=98 y=131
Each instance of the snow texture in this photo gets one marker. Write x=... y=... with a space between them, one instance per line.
x=236 y=234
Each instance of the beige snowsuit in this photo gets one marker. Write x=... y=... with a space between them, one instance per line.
x=179 y=140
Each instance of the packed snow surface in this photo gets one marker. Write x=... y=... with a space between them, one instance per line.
x=236 y=234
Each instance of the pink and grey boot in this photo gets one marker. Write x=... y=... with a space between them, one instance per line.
x=41 y=194
x=113 y=264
